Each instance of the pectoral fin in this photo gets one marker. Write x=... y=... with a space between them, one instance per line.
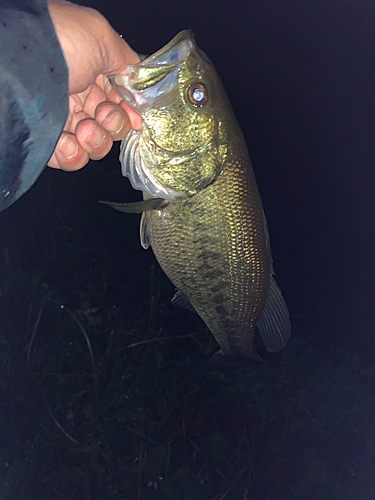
x=139 y=206
x=145 y=240
x=274 y=323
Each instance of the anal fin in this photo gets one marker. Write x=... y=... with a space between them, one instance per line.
x=179 y=299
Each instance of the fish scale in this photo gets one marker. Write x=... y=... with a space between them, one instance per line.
x=203 y=214
x=218 y=256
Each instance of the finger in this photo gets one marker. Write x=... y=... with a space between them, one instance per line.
x=68 y=154
x=93 y=138
x=112 y=95
x=134 y=117
x=90 y=98
x=114 y=119
x=75 y=119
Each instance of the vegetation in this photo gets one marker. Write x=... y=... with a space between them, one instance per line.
x=103 y=390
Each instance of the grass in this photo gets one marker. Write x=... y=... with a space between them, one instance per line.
x=104 y=394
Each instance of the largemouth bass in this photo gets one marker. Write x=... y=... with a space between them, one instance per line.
x=202 y=212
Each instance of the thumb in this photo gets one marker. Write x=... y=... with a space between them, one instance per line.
x=117 y=55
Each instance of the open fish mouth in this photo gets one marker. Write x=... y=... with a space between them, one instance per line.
x=153 y=83
x=155 y=78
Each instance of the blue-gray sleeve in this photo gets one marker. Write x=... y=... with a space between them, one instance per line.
x=33 y=94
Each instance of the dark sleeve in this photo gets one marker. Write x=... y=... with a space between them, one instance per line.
x=33 y=94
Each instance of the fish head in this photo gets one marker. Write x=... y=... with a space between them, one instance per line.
x=182 y=143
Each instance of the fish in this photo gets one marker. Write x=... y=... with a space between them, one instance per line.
x=201 y=211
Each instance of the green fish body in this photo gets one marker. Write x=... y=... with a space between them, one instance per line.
x=203 y=214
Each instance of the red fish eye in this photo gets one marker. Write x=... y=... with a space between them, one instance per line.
x=197 y=94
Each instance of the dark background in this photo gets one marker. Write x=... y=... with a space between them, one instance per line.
x=301 y=78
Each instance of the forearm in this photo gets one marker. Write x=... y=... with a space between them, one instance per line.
x=33 y=97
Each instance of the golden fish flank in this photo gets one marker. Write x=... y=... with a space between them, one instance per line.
x=203 y=215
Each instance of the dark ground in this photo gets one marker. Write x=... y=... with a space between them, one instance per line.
x=110 y=422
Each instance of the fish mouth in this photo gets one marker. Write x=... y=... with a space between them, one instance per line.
x=155 y=78
x=154 y=83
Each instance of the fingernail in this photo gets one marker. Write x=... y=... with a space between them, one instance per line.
x=68 y=147
x=95 y=137
x=114 y=122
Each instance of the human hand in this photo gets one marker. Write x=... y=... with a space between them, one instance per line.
x=97 y=114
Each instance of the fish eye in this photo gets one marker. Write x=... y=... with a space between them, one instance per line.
x=197 y=94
